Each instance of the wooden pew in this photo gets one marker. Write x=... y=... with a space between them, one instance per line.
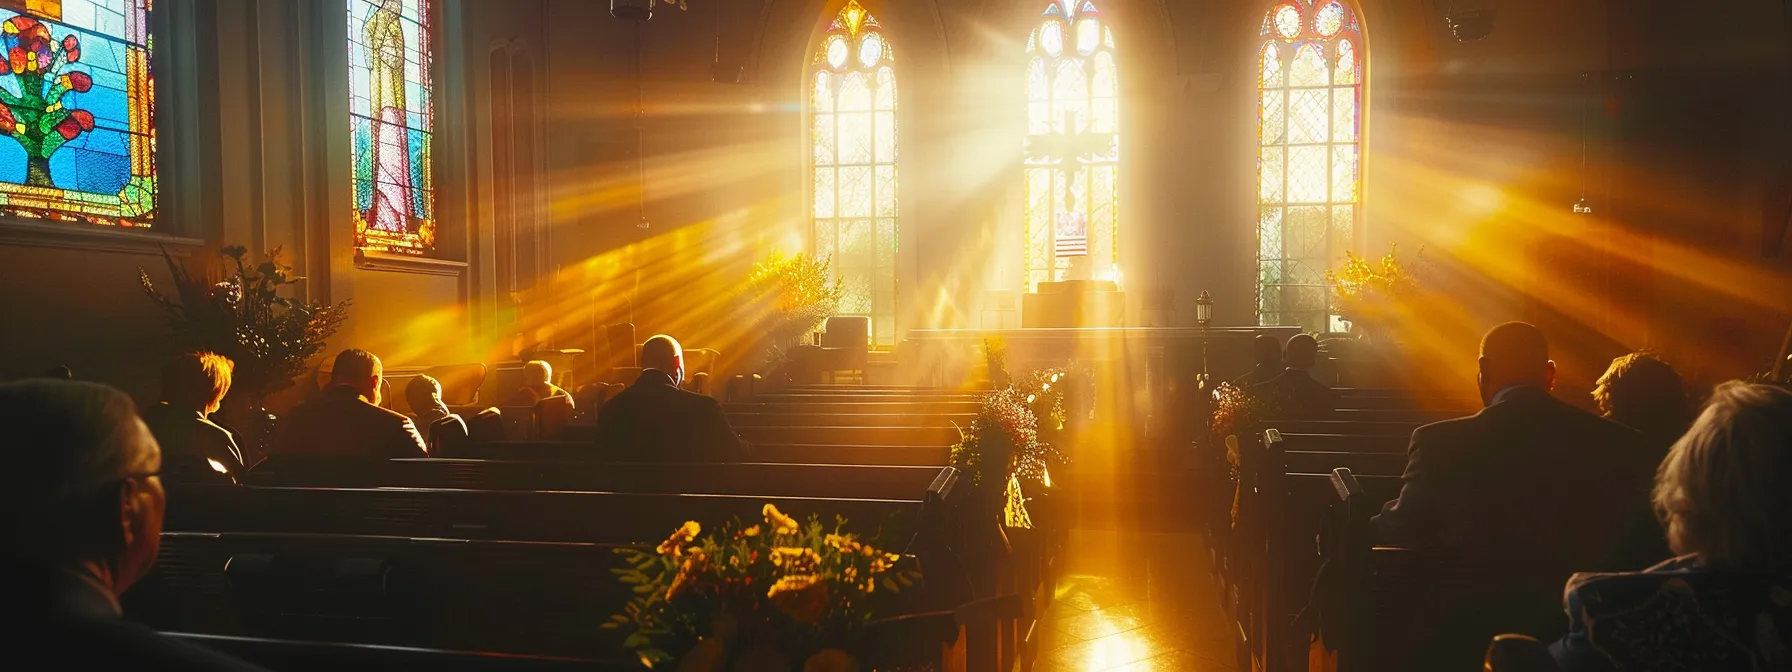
x=791 y=480
x=280 y=655
x=491 y=514
x=767 y=405
x=788 y=453
x=791 y=417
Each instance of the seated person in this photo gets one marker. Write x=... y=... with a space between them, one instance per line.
x=424 y=394
x=538 y=377
x=1269 y=362
x=1644 y=393
x=345 y=419
x=654 y=421
x=193 y=386
x=84 y=522
x=1726 y=602
x=1293 y=393
x=1530 y=485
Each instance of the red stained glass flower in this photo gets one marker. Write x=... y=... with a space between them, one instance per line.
x=71 y=48
x=83 y=118
x=69 y=128
x=80 y=82
x=7 y=122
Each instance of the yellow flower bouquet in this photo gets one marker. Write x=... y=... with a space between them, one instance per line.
x=776 y=589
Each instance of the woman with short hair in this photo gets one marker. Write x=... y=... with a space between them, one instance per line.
x=1724 y=495
x=193 y=447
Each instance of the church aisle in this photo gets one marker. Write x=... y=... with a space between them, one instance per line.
x=1134 y=601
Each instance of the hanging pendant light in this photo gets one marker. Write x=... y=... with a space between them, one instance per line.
x=1582 y=207
x=1470 y=22
x=640 y=10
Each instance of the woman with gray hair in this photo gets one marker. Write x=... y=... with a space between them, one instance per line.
x=1724 y=495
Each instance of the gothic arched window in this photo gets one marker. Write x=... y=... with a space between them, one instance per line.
x=853 y=138
x=1073 y=147
x=392 y=121
x=1310 y=101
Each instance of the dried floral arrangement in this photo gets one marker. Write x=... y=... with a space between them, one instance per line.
x=790 y=296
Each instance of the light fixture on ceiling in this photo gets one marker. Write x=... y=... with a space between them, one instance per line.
x=640 y=10
x=1471 y=22
x=1582 y=207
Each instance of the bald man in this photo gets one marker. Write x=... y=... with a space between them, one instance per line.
x=346 y=420
x=83 y=510
x=655 y=421
x=1530 y=484
x=1294 y=394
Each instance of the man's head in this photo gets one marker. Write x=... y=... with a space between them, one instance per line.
x=1302 y=352
x=1268 y=351
x=662 y=353
x=359 y=370
x=424 y=392
x=197 y=381
x=82 y=490
x=538 y=372
x=1514 y=353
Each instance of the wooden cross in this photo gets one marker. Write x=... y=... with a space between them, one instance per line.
x=1067 y=149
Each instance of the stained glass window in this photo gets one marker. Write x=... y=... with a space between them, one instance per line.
x=852 y=104
x=1072 y=148
x=392 y=119
x=78 y=104
x=1310 y=95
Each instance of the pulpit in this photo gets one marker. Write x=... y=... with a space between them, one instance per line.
x=1073 y=304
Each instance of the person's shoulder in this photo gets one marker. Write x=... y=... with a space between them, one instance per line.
x=381 y=413
x=1448 y=432
x=210 y=428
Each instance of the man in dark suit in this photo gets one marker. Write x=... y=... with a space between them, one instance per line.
x=345 y=420
x=1294 y=394
x=1269 y=362
x=84 y=503
x=1530 y=486
x=654 y=421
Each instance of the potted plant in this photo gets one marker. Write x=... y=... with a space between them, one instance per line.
x=757 y=597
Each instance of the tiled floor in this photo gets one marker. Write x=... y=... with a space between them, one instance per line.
x=1135 y=601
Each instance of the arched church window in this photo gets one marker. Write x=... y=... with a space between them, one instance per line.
x=1309 y=64
x=852 y=103
x=392 y=123
x=1073 y=147
x=77 y=112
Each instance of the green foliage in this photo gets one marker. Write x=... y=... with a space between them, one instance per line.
x=243 y=316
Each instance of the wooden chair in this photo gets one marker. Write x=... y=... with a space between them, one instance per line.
x=624 y=353
x=485 y=427
x=846 y=345
x=551 y=415
x=446 y=437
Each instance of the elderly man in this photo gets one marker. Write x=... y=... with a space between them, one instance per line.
x=654 y=421
x=345 y=420
x=83 y=507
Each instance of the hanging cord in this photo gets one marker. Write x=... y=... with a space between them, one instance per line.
x=640 y=134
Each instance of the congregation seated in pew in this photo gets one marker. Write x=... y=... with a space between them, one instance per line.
x=1268 y=353
x=1293 y=394
x=345 y=419
x=424 y=394
x=654 y=420
x=1724 y=603
x=1530 y=486
x=193 y=386
x=538 y=384
x=85 y=505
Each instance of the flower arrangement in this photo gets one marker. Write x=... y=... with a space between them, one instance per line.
x=777 y=590
x=1006 y=445
x=1371 y=294
x=791 y=296
x=240 y=314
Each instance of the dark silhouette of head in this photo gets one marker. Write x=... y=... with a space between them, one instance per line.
x=197 y=381
x=1514 y=353
x=1644 y=393
x=424 y=392
x=663 y=353
x=359 y=370
x=1268 y=351
x=1302 y=352
x=82 y=491
x=1721 y=493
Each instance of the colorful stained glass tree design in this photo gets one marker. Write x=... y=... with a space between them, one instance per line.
x=1310 y=95
x=1073 y=147
x=852 y=108
x=392 y=119
x=78 y=102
